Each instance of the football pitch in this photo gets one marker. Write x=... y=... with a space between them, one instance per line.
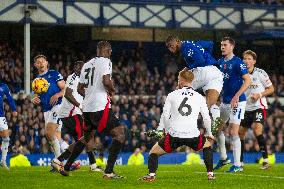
x=168 y=176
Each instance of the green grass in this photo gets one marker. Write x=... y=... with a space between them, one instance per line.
x=168 y=176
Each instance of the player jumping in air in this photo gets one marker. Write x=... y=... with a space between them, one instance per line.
x=198 y=58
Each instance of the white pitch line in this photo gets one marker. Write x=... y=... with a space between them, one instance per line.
x=171 y=171
x=13 y=170
x=261 y=176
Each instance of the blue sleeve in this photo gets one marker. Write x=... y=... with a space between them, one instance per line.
x=10 y=98
x=207 y=45
x=242 y=67
x=57 y=76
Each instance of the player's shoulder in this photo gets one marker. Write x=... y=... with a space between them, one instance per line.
x=104 y=60
x=97 y=60
x=259 y=70
x=4 y=86
x=51 y=73
x=197 y=94
x=172 y=93
x=187 y=44
x=71 y=77
x=187 y=91
x=237 y=60
x=221 y=60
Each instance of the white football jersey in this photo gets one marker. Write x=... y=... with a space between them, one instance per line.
x=67 y=109
x=259 y=81
x=96 y=97
x=180 y=113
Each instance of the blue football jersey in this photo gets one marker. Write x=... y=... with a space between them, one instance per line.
x=52 y=77
x=233 y=71
x=197 y=53
x=5 y=91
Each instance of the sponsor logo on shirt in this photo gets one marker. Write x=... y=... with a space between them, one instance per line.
x=243 y=66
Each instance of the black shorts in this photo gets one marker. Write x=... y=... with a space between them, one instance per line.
x=258 y=116
x=102 y=121
x=169 y=143
x=73 y=126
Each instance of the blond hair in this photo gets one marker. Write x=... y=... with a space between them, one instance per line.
x=186 y=75
x=251 y=53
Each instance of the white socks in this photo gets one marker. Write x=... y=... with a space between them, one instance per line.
x=55 y=146
x=63 y=145
x=222 y=146
x=93 y=166
x=236 y=143
x=4 y=148
x=215 y=111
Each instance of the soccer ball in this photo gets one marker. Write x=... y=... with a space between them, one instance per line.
x=40 y=85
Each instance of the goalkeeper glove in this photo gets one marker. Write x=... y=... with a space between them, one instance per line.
x=155 y=133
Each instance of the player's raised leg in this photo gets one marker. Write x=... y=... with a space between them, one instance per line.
x=221 y=140
x=212 y=96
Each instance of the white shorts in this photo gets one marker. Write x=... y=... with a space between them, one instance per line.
x=208 y=77
x=3 y=124
x=51 y=116
x=233 y=115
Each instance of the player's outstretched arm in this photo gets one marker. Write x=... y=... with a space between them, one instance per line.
x=10 y=100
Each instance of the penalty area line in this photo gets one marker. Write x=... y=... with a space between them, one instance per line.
x=244 y=175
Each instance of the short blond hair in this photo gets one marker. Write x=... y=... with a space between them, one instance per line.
x=251 y=53
x=186 y=75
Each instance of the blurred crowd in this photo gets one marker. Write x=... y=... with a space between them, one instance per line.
x=141 y=95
